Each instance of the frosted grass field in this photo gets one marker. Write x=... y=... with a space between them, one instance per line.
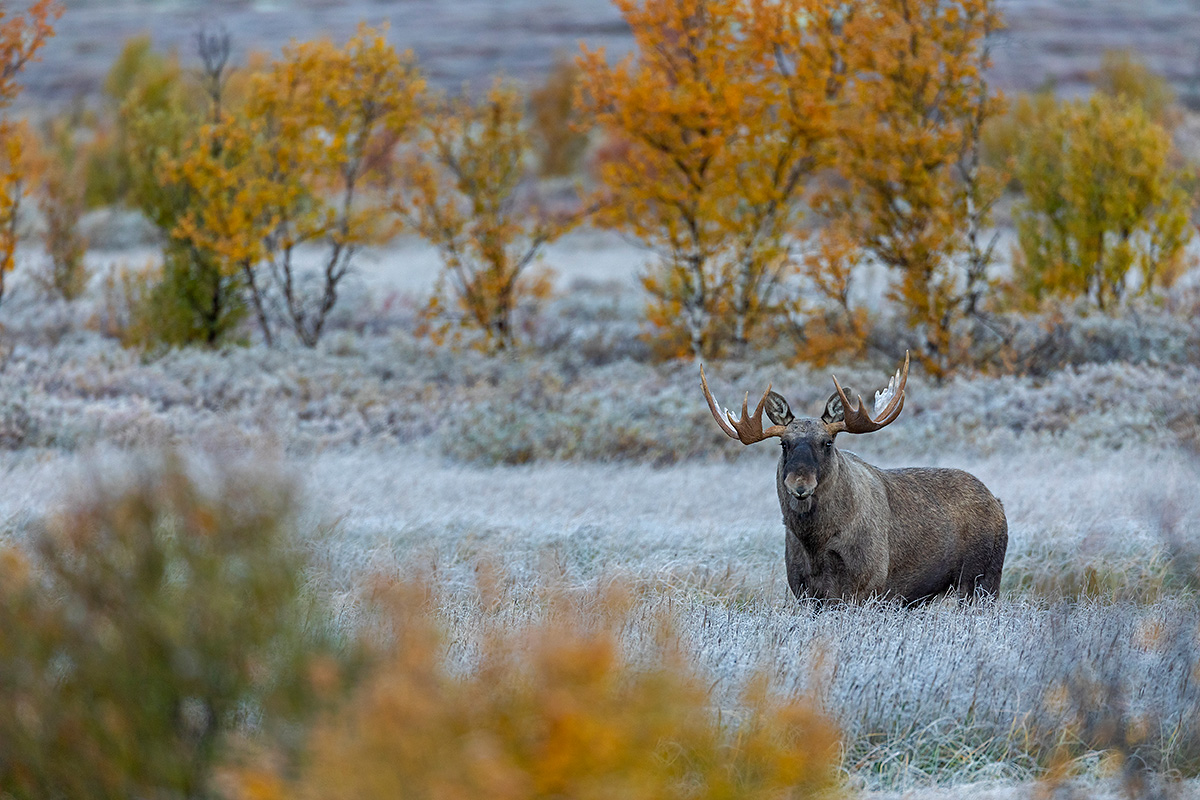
x=1099 y=498
x=580 y=466
x=940 y=695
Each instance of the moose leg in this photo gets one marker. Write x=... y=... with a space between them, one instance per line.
x=799 y=567
x=822 y=576
x=995 y=567
x=980 y=574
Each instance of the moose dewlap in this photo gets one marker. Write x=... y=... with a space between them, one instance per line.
x=855 y=530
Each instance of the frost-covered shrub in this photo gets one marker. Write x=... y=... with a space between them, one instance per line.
x=597 y=323
x=1040 y=344
x=569 y=401
x=547 y=418
x=18 y=428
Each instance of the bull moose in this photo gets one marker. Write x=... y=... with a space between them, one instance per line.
x=855 y=530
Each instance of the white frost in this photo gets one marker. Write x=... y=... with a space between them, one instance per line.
x=884 y=396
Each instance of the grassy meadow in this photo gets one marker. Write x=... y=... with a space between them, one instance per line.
x=579 y=468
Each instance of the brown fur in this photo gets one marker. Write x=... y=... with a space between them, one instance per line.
x=855 y=530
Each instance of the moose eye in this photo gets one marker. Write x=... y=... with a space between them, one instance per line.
x=829 y=445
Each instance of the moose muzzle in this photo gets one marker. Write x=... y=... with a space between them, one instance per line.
x=799 y=485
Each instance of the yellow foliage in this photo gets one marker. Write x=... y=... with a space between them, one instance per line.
x=21 y=36
x=461 y=192
x=554 y=710
x=1124 y=76
x=715 y=129
x=911 y=189
x=293 y=163
x=1101 y=201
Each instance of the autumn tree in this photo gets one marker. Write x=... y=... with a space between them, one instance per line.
x=167 y=114
x=669 y=120
x=1123 y=74
x=226 y=220
x=346 y=107
x=21 y=37
x=797 y=49
x=802 y=48
x=293 y=167
x=716 y=126
x=912 y=191
x=464 y=191
x=1103 y=211
x=140 y=80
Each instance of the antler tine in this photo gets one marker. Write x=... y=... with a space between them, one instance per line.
x=748 y=428
x=712 y=406
x=857 y=420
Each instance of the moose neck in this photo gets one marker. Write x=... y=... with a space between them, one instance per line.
x=832 y=504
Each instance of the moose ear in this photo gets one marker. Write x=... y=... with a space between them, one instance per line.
x=778 y=409
x=835 y=410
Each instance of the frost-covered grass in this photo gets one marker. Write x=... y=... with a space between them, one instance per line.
x=941 y=694
x=79 y=389
x=937 y=695
x=580 y=464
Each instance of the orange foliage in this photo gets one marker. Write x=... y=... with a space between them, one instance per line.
x=912 y=187
x=732 y=107
x=719 y=124
x=462 y=193
x=21 y=36
x=293 y=165
x=555 y=710
x=832 y=326
x=17 y=162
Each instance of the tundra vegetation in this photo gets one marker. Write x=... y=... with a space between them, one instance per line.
x=274 y=528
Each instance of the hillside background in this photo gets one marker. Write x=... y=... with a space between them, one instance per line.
x=472 y=40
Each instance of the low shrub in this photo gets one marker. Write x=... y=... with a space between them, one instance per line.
x=182 y=302
x=145 y=627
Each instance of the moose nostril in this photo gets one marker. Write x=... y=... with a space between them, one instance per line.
x=797 y=487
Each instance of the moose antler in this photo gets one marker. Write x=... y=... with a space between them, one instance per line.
x=888 y=404
x=748 y=429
